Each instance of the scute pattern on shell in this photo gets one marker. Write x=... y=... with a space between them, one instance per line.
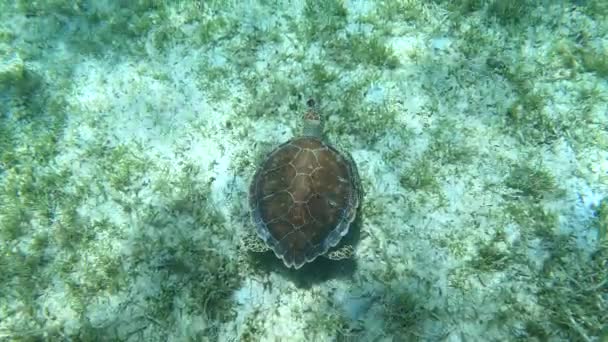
x=303 y=199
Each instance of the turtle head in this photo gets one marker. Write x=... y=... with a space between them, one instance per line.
x=312 y=121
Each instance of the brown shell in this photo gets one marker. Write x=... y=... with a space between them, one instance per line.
x=303 y=199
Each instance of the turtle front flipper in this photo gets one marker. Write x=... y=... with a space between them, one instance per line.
x=252 y=243
x=341 y=253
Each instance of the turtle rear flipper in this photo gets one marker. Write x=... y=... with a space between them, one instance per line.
x=252 y=243
x=341 y=253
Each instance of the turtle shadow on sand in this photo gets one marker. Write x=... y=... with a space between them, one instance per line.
x=320 y=270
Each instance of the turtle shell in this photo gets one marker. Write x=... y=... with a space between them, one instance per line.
x=303 y=198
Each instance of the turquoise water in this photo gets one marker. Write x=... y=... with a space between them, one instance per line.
x=129 y=134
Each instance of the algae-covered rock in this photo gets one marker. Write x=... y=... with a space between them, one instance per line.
x=20 y=87
x=602 y=214
x=12 y=71
x=17 y=77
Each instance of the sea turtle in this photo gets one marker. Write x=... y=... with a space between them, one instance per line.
x=304 y=197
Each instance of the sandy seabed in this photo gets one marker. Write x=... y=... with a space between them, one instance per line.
x=129 y=134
